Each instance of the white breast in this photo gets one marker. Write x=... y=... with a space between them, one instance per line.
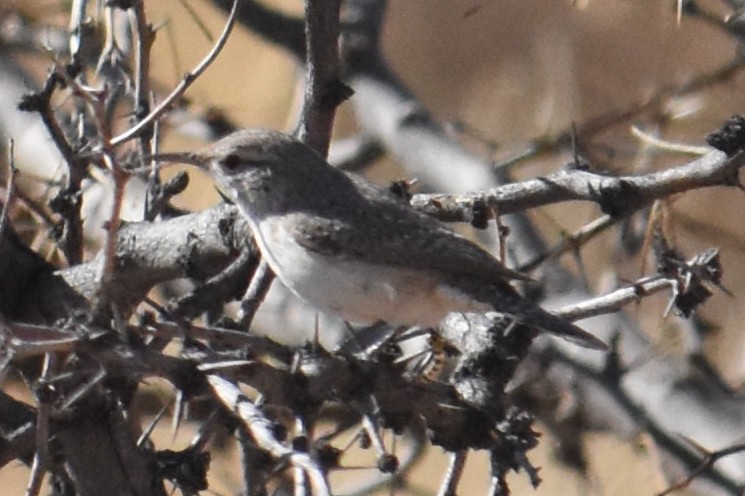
x=356 y=291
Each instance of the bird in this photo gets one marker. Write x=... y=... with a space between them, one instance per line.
x=349 y=247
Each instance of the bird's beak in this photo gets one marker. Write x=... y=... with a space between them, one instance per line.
x=191 y=158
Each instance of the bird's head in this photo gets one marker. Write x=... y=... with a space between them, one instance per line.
x=263 y=172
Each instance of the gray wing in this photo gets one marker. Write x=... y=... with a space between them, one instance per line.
x=381 y=229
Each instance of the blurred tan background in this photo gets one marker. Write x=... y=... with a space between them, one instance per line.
x=514 y=70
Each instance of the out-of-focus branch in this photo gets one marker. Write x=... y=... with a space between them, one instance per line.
x=597 y=125
x=285 y=30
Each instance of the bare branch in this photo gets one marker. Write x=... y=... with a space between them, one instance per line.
x=324 y=90
x=615 y=195
x=179 y=90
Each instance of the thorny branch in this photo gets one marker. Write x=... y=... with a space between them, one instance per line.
x=616 y=195
x=69 y=200
x=296 y=390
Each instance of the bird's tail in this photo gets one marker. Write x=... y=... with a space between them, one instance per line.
x=528 y=313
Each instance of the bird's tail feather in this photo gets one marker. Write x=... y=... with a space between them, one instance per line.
x=528 y=313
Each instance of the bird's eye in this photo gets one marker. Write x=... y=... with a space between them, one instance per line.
x=231 y=163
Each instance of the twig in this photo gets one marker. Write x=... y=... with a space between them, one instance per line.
x=616 y=300
x=196 y=19
x=143 y=36
x=112 y=229
x=371 y=429
x=149 y=428
x=406 y=466
x=155 y=200
x=710 y=458
x=111 y=54
x=34 y=207
x=69 y=198
x=187 y=81
x=39 y=465
x=300 y=482
x=723 y=23
x=597 y=125
x=253 y=482
x=77 y=21
x=260 y=429
x=225 y=285
x=97 y=102
x=449 y=485
x=668 y=146
x=502 y=234
x=572 y=241
x=496 y=487
x=255 y=294
x=9 y=187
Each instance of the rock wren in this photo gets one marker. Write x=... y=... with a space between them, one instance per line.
x=348 y=247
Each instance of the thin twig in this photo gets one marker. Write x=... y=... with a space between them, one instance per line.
x=197 y=19
x=406 y=466
x=39 y=465
x=97 y=103
x=300 y=482
x=573 y=241
x=496 y=486
x=616 y=300
x=255 y=294
x=668 y=146
x=112 y=228
x=371 y=429
x=143 y=36
x=285 y=30
x=708 y=461
x=77 y=22
x=187 y=81
x=597 y=125
x=9 y=187
x=111 y=54
x=449 y=485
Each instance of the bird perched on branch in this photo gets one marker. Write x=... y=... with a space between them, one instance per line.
x=351 y=248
